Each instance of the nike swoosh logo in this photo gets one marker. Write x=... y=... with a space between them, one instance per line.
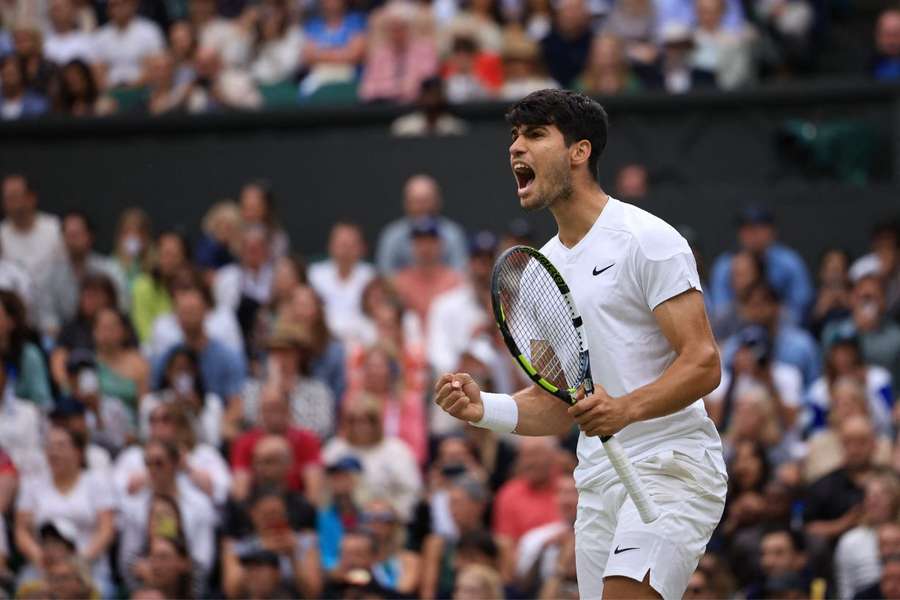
x=596 y=272
x=621 y=550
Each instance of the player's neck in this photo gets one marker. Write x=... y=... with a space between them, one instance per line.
x=576 y=215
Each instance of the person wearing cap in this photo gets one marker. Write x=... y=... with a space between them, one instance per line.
x=340 y=509
x=421 y=198
x=420 y=283
x=261 y=579
x=785 y=270
x=341 y=279
x=58 y=540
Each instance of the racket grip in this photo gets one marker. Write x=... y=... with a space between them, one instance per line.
x=646 y=508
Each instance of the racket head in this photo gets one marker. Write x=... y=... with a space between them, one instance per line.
x=539 y=322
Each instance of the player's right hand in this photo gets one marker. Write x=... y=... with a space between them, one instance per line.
x=460 y=396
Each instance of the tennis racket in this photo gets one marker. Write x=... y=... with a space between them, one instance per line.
x=543 y=330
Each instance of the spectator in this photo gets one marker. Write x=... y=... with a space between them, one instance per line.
x=219 y=239
x=760 y=306
x=339 y=510
x=395 y=568
x=312 y=404
x=70 y=492
x=747 y=269
x=261 y=576
x=279 y=48
x=220 y=87
x=606 y=71
x=568 y=44
x=833 y=295
x=296 y=551
x=783 y=561
x=857 y=564
x=401 y=54
x=888 y=585
x=58 y=540
x=162 y=460
x=290 y=273
x=182 y=384
x=478 y=582
x=77 y=94
x=389 y=466
x=723 y=52
x=635 y=23
x=257 y=206
x=122 y=371
x=538 y=550
x=334 y=46
x=784 y=269
x=420 y=283
x=133 y=246
x=151 y=294
x=885 y=64
x=431 y=118
x=22 y=358
x=230 y=39
x=65 y=41
x=169 y=567
x=478 y=22
x=29 y=237
x=421 y=198
x=528 y=500
x=632 y=182
x=675 y=72
x=164 y=520
x=67 y=579
x=164 y=93
x=15 y=279
x=684 y=12
x=358 y=555
x=463 y=80
x=37 y=71
x=121 y=45
x=699 y=586
x=61 y=285
x=883 y=260
x=20 y=432
x=275 y=419
x=183 y=46
x=879 y=337
x=748 y=471
x=523 y=69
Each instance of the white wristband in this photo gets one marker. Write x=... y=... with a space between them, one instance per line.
x=501 y=413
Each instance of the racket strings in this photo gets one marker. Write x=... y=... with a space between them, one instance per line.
x=539 y=320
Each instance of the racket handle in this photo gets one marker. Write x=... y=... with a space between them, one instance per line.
x=646 y=508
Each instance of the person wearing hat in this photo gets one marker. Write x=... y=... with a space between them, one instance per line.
x=419 y=284
x=261 y=578
x=523 y=70
x=785 y=270
x=340 y=508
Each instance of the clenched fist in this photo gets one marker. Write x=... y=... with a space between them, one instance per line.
x=460 y=396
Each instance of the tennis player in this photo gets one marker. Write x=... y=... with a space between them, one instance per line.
x=653 y=357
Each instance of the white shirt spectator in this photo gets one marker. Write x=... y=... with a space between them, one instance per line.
x=533 y=547
x=207 y=426
x=202 y=457
x=342 y=297
x=857 y=564
x=453 y=320
x=878 y=392
x=232 y=42
x=278 y=60
x=14 y=278
x=98 y=459
x=124 y=50
x=234 y=281
x=220 y=324
x=61 y=48
x=33 y=250
x=20 y=433
x=787 y=378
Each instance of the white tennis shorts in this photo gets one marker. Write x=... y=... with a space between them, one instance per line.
x=611 y=539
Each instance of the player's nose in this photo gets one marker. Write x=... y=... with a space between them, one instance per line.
x=517 y=148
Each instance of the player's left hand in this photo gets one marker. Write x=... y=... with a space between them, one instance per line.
x=599 y=414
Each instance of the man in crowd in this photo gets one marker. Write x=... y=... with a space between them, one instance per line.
x=530 y=499
x=29 y=237
x=121 y=45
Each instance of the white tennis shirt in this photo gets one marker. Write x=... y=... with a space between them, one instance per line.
x=629 y=263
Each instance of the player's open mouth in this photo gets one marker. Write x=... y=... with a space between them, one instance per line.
x=524 y=176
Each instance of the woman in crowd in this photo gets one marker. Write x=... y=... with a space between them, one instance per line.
x=218 y=241
x=72 y=493
x=77 y=94
x=123 y=371
x=327 y=357
x=169 y=568
x=279 y=46
x=478 y=582
x=746 y=269
x=204 y=464
x=183 y=384
x=748 y=472
x=607 y=71
x=22 y=358
x=396 y=568
x=163 y=521
x=152 y=291
x=833 y=295
x=257 y=206
x=134 y=245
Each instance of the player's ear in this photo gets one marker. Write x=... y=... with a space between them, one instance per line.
x=580 y=152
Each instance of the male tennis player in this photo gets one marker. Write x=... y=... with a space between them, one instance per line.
x=653 y=358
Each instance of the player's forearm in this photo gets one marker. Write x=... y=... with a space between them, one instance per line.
x=540 y=413
x=695 y=373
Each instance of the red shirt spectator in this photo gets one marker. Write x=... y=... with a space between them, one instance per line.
x=528 y=500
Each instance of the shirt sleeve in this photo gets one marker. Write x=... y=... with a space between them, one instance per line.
x=27 y=497
x=102 y=495
x=666 y=269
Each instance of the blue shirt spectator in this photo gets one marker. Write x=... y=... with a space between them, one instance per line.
x=685 y=13
x=885 y=64
x=16 y=101
x=326 y=36
x=224 y=370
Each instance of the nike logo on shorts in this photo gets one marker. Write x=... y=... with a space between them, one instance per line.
x=621 y=550
x=596 y=272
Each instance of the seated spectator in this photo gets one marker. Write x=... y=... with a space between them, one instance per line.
x=296 y=551
x=635 y=23
x=748 y=471
x=22 y=359
x=169 y=567
x=109 y=420
x=478 y=582
x=607 y=71
x=121 y=45
x=334 y=45
x=71 y=492
x=15 y=279
x=279 y=48
x=122 y=371
x=219 y=87
x=21 y=432
x=72 y=415
x=568 y=44
x=760 y=305
x=339 y=510
x=723 y=52
x=261 y=576
x=421 y=198
x=879 y=336
x=230 y=39
x=65 y=41
x=340 y=280
x=833 y=293
x=17 y=101
x=389 y=466
x=97 y=293
x=312 y=404
x=684 y=12
x=151 y=292
x=401 y=54
x=38 y=72
x=257 y=205
x=183 y=46
x=183 y=384
x=885 y=63
x=528 y=500
x=164 y=520
x=888 y=585
x=538 y=549
x=223 y=369
x=788 y=26
x=67 y=579
x=219 y=237
x=133 y=246
x=290 y=273
x=327 y=357
x=396 y=568
x=77 y=94
x=784 y=564
x=419 y=284
x=857 y=564
x=633 y=184
x=747 y=269
x=58 y=542
x=431 y=117
x=162 y=460
x=28 y=236
x=883 y=260
x=357 y=559
x=523 y=69
x=164 y=93
x=478 y=21
x=469 y=73
x=275 y=419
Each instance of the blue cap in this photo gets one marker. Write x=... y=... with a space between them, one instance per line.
x=756 y=338
x=68 y=406
x=345 y=463
x=425 y=226
x=755 y=214
x=483 y=242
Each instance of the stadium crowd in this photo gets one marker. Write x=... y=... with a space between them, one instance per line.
x=218 y=417
x=98 y=57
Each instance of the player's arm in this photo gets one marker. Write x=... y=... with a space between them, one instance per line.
x=695 y=372
x=539 y=413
